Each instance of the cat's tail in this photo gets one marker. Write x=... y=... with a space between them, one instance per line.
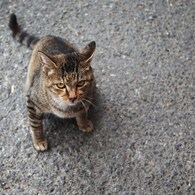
x=20 y=35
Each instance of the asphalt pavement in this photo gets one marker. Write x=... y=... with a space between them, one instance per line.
x=144 y=107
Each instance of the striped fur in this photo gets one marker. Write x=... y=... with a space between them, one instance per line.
x=36 y=123
x=20 y=35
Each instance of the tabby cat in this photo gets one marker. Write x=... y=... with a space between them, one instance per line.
x=60 y=80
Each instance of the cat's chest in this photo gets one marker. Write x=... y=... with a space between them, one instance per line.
x=62 y=113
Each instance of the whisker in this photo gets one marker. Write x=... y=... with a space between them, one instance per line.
x=90 y=103
x=84 y=107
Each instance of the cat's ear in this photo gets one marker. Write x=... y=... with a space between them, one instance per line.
x=88 y=52
x=47 y=63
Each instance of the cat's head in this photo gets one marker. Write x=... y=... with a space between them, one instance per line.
x=69 y=77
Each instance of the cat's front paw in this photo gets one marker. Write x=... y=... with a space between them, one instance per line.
x=41 y=145
x=88 y=127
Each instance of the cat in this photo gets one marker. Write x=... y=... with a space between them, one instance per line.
x=60 y=80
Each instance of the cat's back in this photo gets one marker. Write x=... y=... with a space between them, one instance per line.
x=53 y=45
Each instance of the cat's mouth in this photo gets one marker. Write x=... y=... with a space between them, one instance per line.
x=72 y=103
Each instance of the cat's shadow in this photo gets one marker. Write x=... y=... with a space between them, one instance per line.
x=64 y=133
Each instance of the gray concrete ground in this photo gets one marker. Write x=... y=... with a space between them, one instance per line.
x=143 y=141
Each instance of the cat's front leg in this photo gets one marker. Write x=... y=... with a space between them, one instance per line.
x=36 y=123
x=83 y=123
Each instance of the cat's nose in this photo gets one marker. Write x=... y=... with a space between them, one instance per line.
x=72 y=99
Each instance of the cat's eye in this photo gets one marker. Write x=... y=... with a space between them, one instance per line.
x=80 y=83
x=60 y=85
